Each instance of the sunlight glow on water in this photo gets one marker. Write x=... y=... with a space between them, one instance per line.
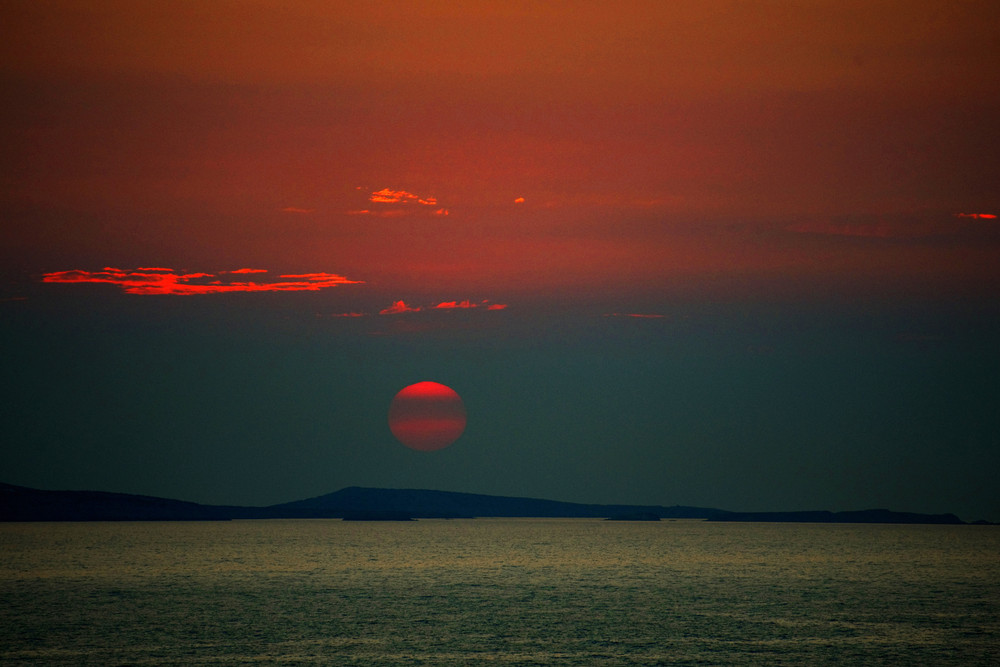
x=502 y=591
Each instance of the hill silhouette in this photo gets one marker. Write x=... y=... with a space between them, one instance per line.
x=449 y=504
x=20 y=503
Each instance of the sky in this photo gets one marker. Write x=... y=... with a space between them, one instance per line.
x=722 y=254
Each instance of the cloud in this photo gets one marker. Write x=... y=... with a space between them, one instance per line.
x=387 y=196
x=455 y=304
x=982 y=216
x=318 y=277
x=395 y=203
x=401 y=307
x=166 y=281
x=519 y=200
x=398 y=307
x=295 y=209
x=447 y=305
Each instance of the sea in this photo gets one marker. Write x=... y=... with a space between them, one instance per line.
x=498 y=592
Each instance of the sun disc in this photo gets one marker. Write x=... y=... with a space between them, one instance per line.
x=427 y=416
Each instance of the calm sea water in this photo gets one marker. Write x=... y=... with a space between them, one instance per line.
x=498 y=591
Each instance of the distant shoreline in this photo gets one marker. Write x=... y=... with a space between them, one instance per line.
x=21 y=504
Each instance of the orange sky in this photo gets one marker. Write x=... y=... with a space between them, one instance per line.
x=564 y=146
x=653 y=245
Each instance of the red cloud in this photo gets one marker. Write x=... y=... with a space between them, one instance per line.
x=400 y=199
x=445 y=305
x=455 y=304
x=387 y=196
x=401 y=307
x=983 y=216
x=398 y=307
x=307 y=276
x=166 y=281
x=295 y=209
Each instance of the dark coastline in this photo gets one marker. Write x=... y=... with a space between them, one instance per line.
x=19 y=504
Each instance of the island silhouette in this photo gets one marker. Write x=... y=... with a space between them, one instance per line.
x=20 y=503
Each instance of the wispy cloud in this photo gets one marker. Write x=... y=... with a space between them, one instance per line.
x=398 y=307
x=981 y=216
x=314 y=277
x=391 y=203
x=401 y=306
x=167 y=281
x=447 y=305
x=296 y=209
x=387 y=196
x=455 y=304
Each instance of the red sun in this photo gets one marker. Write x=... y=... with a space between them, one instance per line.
x=427 y=416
